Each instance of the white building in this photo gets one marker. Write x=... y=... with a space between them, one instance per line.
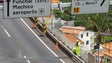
x=87 y=37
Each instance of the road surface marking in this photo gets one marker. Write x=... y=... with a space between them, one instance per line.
x=6 y=31
x=1 y=7
x=62 y=61
x=27 y=59
x=41 y=40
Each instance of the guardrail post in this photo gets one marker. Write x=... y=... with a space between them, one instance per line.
x=44 y=27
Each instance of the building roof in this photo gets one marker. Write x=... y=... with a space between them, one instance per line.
x=73 y=39
x=100 y=54
x=67 y=30
x=104 y=53
x=55 y=1
x=107 y=52
x=72 y=30
x=77 y=32
x=107 y=45
x=75 y=27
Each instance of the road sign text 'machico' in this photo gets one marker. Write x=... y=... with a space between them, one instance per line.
x=26 y=8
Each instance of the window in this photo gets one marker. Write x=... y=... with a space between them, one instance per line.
x=81 y=35
x=87 y=42
x=1 y=1
x=108 y=61
x=87 y=34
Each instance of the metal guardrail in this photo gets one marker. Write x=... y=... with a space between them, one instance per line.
x=75 y=58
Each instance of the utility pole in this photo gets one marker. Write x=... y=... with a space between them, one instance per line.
x=98 y=45
x=99 y=41
x=104 y=34
x=8 y=4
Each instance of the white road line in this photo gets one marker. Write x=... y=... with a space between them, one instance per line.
x=41 y=40
x=62 y=61
x=27 y=59
x=6 y=31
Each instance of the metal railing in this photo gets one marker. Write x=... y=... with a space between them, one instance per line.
x=62 y=40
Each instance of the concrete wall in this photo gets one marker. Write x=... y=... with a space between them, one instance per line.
x=107 y=57
x=67 y=23
x=91 y=58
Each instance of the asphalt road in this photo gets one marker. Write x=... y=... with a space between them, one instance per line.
x=19 y=45
x=51 y=44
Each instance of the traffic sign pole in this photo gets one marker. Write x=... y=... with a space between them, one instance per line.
x=8 y=3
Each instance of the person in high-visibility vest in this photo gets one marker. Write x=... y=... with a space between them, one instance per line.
x=73 y=50
x=76 y=50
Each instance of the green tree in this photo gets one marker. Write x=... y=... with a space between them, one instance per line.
x=107 y=39
x=100 y=23
x=57 y=13
x=66 y=0
x=96 y=22
x=65 y=15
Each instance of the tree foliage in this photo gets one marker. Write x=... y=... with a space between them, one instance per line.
x=64 y=16
x=100 y=23
x=96 y=22
x=107 y=39
x=57 y=13
x=66 y=0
